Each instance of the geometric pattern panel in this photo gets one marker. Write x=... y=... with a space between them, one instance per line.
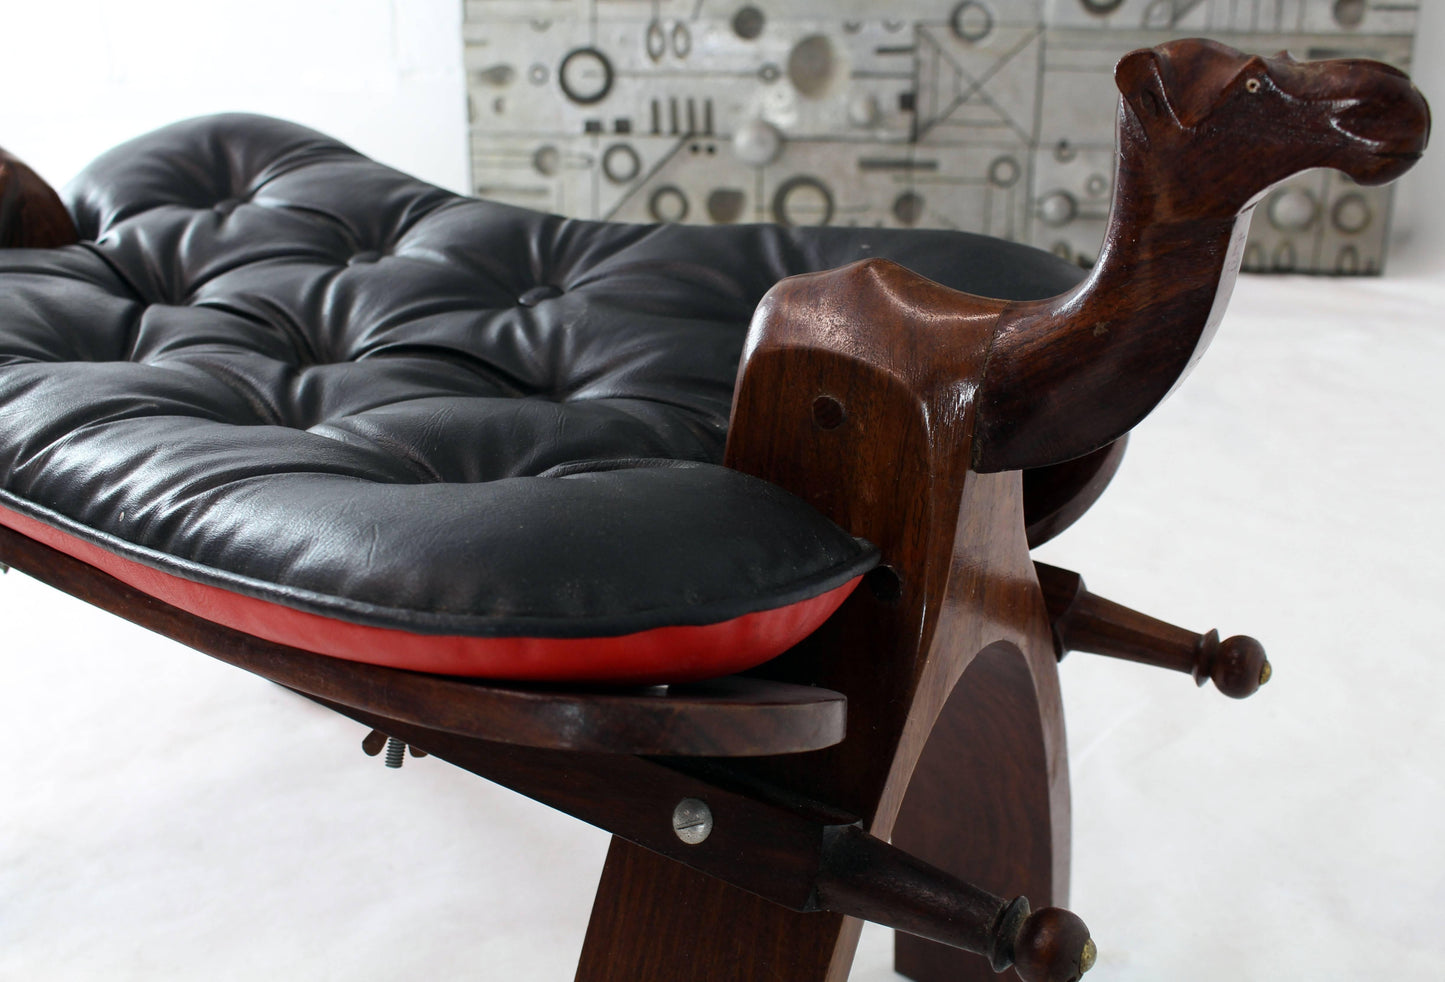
x=993 y=116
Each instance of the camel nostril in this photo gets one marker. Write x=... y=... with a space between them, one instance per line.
x=1399 y=128
x=1360 y=119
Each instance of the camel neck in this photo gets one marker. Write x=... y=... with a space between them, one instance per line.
x=1132 y=329
x=1154 y=219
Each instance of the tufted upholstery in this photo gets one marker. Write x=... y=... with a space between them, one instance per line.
x=285 y=372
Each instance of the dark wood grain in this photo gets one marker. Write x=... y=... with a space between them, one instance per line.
x=796 y=855
x=1058 y=495
x=869 y=878
x=884 y=399
x=1082 y=621
x=764 y=841
x=1203 y=131
x=726 y=934
x=892 y=464
x=995 y=819
x=723 y=717
x=31 y=213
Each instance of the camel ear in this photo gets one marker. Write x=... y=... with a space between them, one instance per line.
x=1140 y=76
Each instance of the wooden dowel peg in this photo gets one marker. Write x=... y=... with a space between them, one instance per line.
x=373 y=743
x=1082 y=621
x=865 y=877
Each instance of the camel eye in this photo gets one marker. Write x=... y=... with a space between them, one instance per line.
x=1252 y=86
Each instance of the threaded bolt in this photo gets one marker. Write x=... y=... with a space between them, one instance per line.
x=395 y=752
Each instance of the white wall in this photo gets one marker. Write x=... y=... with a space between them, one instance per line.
x=1419 y=224
x=383 y=75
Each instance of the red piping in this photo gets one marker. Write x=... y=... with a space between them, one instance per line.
x=661 y=655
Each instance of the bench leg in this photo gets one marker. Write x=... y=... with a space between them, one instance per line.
x=655 y=920
x=982 y=804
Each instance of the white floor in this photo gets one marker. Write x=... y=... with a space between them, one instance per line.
x=166 y=817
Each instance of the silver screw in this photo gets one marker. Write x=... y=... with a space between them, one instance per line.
x=692 y=821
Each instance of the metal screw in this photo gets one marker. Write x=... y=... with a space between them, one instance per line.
x=377 y=741
x=692 y=821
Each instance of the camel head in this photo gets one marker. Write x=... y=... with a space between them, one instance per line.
x=1235 y=124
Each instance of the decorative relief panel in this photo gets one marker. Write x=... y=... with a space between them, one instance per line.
x=993 y=116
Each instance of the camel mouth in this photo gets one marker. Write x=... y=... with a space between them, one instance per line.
x=1382 y=166
x=1365 y=143
x=1411 y=150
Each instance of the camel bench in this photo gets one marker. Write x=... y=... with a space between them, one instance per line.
x=716 y=538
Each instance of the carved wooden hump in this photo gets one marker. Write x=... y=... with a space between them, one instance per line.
x=31 y=213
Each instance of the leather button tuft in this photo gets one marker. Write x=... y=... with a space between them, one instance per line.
x=537 y=294
x=225 y=206
x=361 y=258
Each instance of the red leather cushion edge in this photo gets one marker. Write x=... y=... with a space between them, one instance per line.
x=660 y=655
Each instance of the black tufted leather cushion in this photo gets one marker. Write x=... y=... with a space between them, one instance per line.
x=279 y=369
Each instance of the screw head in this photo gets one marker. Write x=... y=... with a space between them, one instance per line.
x=692 y=821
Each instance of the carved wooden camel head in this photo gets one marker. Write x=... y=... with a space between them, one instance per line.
x=1204 y=132
x=1194 y=107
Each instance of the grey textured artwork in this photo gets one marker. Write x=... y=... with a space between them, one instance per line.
x=994 y=116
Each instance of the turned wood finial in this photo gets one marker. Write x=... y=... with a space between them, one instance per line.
x=1237 y=666
x=32 y=215
x=1053 y=945
x=1083 y=621
x=867 y=877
